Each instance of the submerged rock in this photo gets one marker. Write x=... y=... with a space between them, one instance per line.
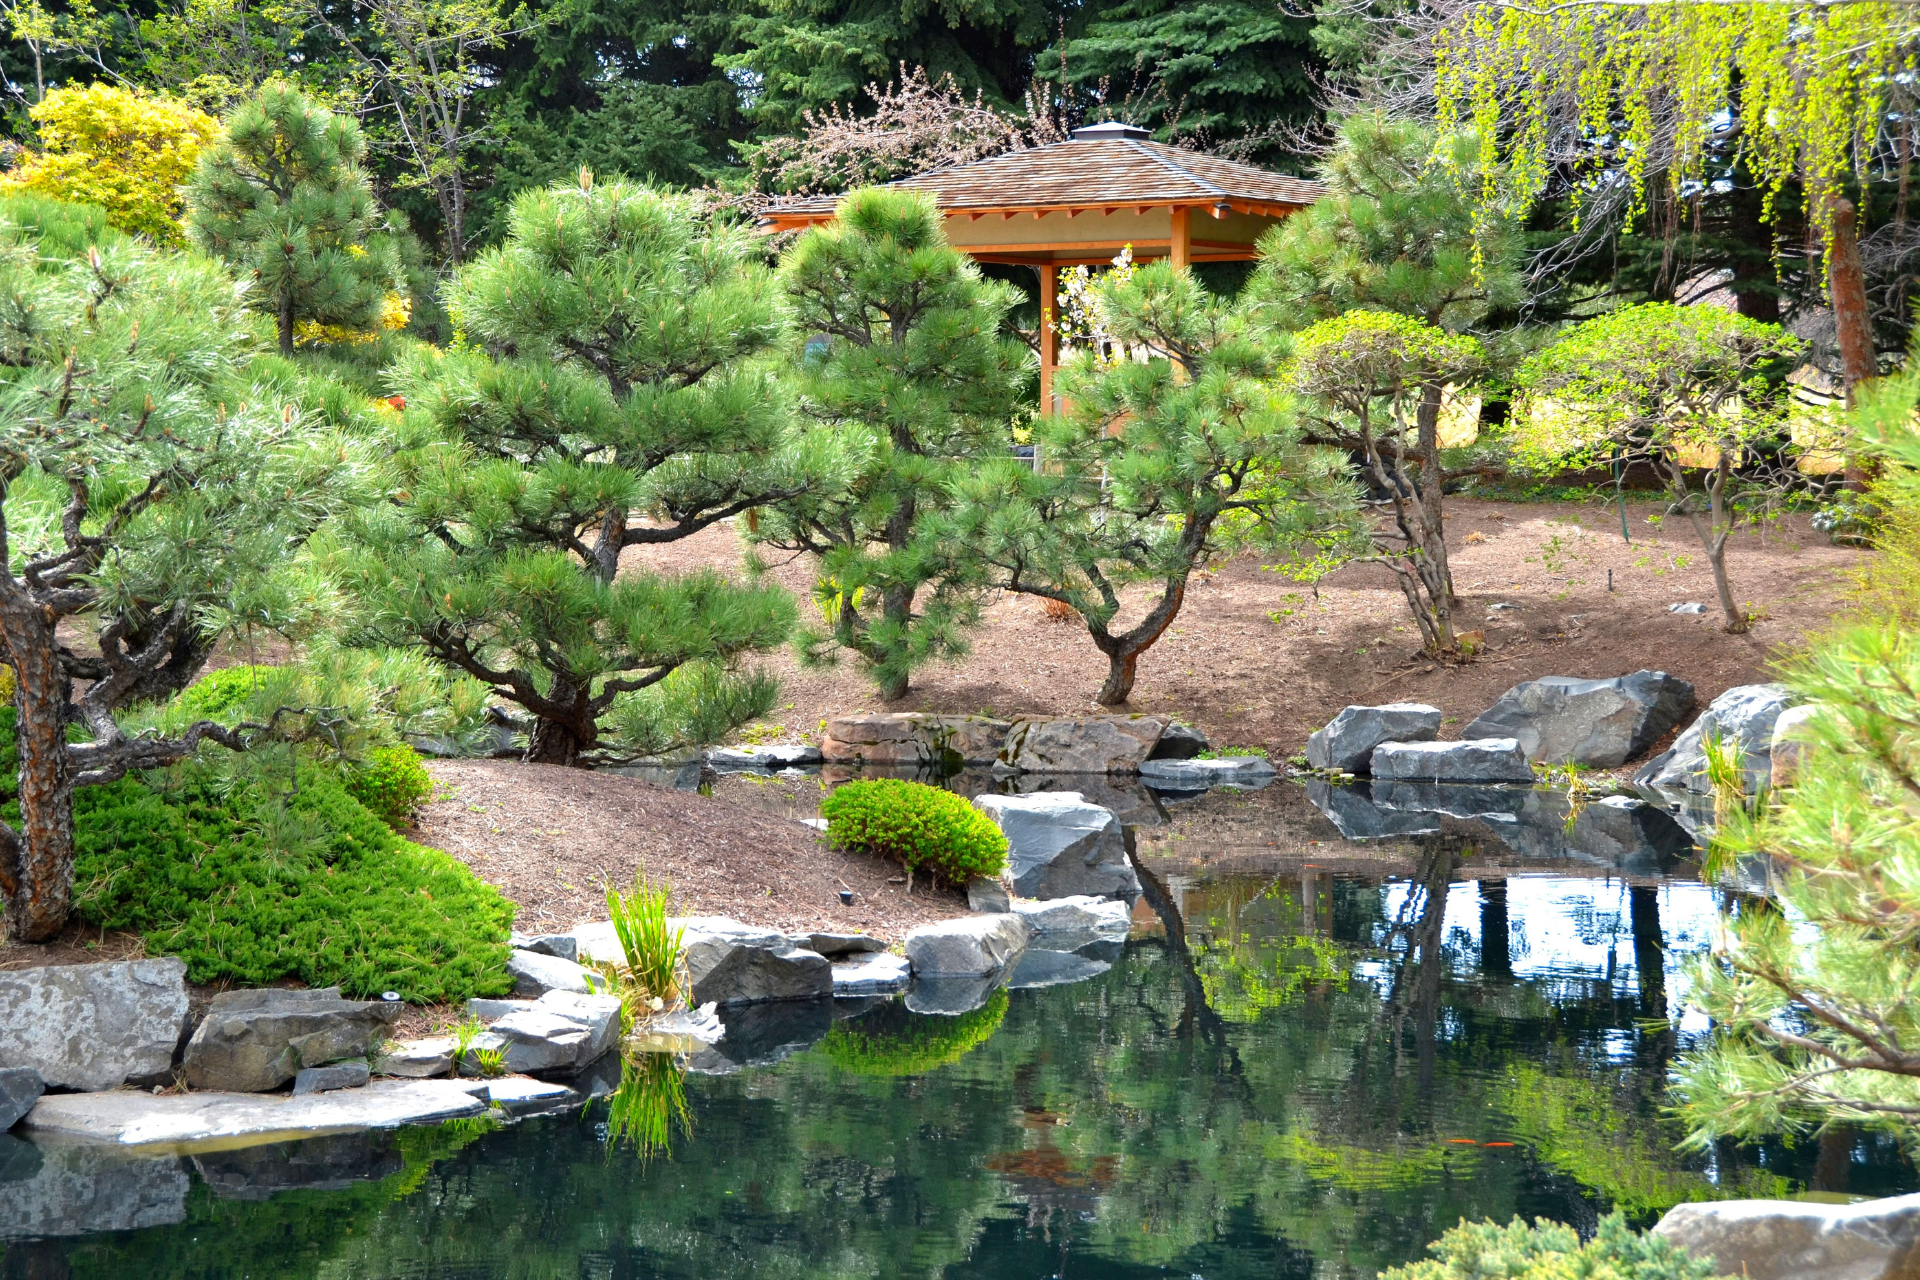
x=969 y=947
x=1058 y=846
x=1743 y=717
x=330 y=1163
x=81 y=1188
x=1792 y=1239
x=1089 y=744
x=20 y=1088
x=1486 y=760
x=252 y=1041
x=1348 y=741
x=94 y=1026
x=1082 y=914
x=1598 y=723
x=1039 y=968
x=1250 y=772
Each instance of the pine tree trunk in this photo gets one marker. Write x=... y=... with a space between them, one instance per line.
x=897 y=608
x=1121 y=667
x=553 y=743
x=1433 y=528
x=38 y=908
x=563 y=741
x=1852 y=322
x=286 y=324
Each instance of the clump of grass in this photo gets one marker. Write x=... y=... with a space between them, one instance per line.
x=652 y=947
x=492 y=1062
x=649 y=1105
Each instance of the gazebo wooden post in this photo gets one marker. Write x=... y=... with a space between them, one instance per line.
x=1049 y=332
x=1182 y=247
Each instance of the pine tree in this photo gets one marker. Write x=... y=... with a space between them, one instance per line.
x=625 y=409
x=283 y=198
x=155 y=483
x=1159 y=467
x=906 y=374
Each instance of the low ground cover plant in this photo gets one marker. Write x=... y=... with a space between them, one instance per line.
x=1552 y=1251
x=917 y=826
x=250 y=882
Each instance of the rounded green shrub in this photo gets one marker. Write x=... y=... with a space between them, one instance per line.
x=218 y=693
x=892 y=1042
x=1552 y=1251
x=391 y=782
x=917 y=826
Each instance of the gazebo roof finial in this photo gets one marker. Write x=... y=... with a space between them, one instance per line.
x=1108 y=130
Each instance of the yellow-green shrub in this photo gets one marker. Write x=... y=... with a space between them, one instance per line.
x=917 y=826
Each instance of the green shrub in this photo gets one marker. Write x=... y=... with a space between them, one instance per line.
x=217 y=693
x=892 y=1042
x=917 y=826
x=252 y=885
x=391 y=782
x=1552 y=1251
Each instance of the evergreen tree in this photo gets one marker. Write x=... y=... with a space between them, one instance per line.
x=155 y=480
x=907 y=376
x=1159 y=467
x=283 y=198
x=623 y=409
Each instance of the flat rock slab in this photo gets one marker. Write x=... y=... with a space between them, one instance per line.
x=1487 y=760
x=914 y=738
x=1348 y=741
x=1082 y=914
x=1794 y=1240
x=340 y=1075
x=969 y=947
x=252 y=1041
x=875 y=974
x=138 y=1119
x=1743 y=716
x=418 y=1059
x=522 y=1096
x=20 y=1088
x=1090 y=744
x=1598 y=723
x=493 y=1010
x=1195 y=775
x=94 y=1026
x=1059 y=846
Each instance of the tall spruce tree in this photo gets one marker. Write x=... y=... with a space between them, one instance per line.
x=621 y=406
x=283 y=198
x=156 y=479
x=906 y=375
x=1159 y=467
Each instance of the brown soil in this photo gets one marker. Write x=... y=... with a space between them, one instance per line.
x=1255 y=659
x=553 y=839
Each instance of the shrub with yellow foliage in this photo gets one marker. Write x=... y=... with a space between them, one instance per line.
x=126 y=151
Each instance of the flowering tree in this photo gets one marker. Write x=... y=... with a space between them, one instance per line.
x=1684 y=388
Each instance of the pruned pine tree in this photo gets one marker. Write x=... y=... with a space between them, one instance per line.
x=1161 y=465
x=907 y=381
x=283 y=198
x=1685 y=389
x=156 y=483
x=617 y=404
x=1366 y=375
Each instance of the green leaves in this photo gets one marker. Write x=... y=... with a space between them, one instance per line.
x=917 y=826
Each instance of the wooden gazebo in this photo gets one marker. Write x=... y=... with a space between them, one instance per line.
x=1081 y=201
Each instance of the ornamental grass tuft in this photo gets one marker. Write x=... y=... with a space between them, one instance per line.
x=917 y=826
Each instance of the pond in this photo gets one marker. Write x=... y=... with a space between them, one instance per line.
x=1310 y=1058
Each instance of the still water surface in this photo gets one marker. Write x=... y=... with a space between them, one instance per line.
x=1288 y=1072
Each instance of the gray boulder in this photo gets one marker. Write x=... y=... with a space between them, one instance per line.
x=743 y=973
x=1248 y=772
x=835 y=945
x=1090 y=744
x=1058 y=846
x=914 y=738
x=1598 y=723
x=1792 y=1240
x=1487 y=760
x=94 y=1026
x=875 y=974
x=418 y=1059
x=535 y=974
x=489 y=1010
x=1787 y=743
x=1179 y=742
x=20 y=1088
x=562 y=945
x=1075 y=915
x=563 y=1032
x=253 y=1041
x=1348 y=741
x=1744 y=716
x=988 y=894
x=1355 y=815
x=969 y=947
x=340 y=1075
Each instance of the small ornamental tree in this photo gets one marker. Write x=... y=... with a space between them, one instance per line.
x=909 y=384
x=154 y=485
x=623 y=409
x=1365 y=375
x=283 y=198
x=1683 y=388
x=1158 y=468
x=126 y=151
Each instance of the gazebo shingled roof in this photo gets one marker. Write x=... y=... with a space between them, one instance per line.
x=1081 y=201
